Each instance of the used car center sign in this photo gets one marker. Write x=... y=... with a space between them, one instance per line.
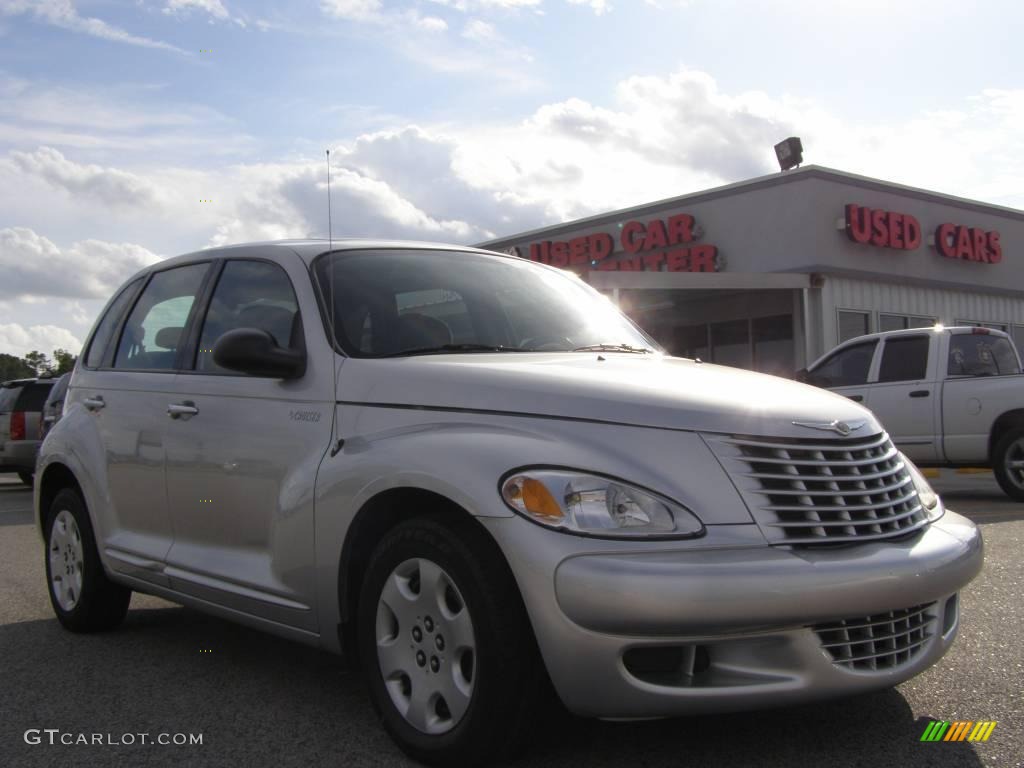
x=654 y=246
x=888 y=229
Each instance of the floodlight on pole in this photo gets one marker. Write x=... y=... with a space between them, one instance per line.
x=790 y=153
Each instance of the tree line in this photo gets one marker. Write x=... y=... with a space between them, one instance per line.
x=36 y=363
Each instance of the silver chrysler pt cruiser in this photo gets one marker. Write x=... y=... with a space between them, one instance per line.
x=477 y=478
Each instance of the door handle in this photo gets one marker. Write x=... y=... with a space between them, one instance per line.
x=94 y=403
x=184 y=410
x=920 y=393
x=856 y=398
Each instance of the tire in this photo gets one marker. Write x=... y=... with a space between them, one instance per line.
x=82 y=596
x=495 y=688
x=1009 y=450
x=27 y=478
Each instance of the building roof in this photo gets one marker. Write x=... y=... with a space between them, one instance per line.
x=761 y=182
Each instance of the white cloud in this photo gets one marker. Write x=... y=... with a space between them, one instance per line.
x=32 y=265
x=214 y=8
x=19 y=340
x=480 y=31
x=478 y=5
x=353 y=10
x=107 y=185
x=113 y=120
x=62 y=13
x=599 y=7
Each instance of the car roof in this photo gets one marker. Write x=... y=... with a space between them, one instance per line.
x=954 y=329
x=309 y=248
x=18 y=383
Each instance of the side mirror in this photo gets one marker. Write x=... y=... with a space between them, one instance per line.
x=254 y=351
x=801 y=375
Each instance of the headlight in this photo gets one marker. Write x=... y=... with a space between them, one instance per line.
x=595 y=505
x=929 y=498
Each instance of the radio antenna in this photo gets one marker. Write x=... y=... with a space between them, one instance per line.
x=336 y=442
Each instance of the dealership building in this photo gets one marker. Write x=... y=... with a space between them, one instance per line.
x=771 y=273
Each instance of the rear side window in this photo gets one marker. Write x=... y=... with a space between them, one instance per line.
x=58 y=390
x=904 y=359
x=973 y=354
x=32 y=397
x=847 y=367
x=249 y=294
x=8 y=397
x=156 y=326
x=106 y=327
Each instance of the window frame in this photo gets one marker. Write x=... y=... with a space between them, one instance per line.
x=194 y=330
x=111 y=352
x=866 y=312
x=908 y=316
x=992 y=325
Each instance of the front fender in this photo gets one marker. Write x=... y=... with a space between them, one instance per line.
x=462 y=456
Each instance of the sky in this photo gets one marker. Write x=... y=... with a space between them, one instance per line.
x=132 y=131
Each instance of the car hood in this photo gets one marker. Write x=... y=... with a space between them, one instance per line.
x=623 y=388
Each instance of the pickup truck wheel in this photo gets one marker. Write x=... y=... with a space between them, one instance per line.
x=27 y=478
x=445 y=647
x=1008 y=463
x=82 y=596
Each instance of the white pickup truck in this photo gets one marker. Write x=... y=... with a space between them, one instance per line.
x=947 y=396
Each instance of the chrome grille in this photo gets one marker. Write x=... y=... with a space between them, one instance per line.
x=823 y=491
x=881 y=642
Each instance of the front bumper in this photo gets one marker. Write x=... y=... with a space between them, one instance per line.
x=749 y=610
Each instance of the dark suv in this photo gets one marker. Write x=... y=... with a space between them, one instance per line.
x=21 y=412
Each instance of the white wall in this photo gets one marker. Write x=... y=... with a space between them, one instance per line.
x=947 y=305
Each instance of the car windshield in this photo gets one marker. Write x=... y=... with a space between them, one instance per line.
x=405 y=302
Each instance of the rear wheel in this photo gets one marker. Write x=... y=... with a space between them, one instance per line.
x=1008 y=463
x=82 y=596
x=27 y=477
x=445 y=646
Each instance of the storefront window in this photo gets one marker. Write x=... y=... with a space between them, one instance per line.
x=730 y=343
x=976 y=324
x=692 y=341
x=892 y=322
x=773 y=345
x=1018 y=337
x=853 y=324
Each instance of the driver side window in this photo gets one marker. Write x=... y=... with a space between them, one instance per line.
x=847 y=367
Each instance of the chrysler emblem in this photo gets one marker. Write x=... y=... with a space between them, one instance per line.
x=843 y=428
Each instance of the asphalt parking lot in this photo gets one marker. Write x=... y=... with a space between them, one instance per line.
x=258 y=700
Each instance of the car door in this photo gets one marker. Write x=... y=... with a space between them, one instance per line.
x=904 y=397
x=124 y=384
x=846 y=370
x=242 y=457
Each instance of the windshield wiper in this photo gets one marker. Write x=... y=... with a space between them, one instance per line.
x=442 y=348
x=613 y=348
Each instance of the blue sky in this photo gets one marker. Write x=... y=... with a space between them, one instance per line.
x=455 y=120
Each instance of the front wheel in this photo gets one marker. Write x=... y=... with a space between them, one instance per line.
x=445 y=646
x=83 y=598
x=1008 y=463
